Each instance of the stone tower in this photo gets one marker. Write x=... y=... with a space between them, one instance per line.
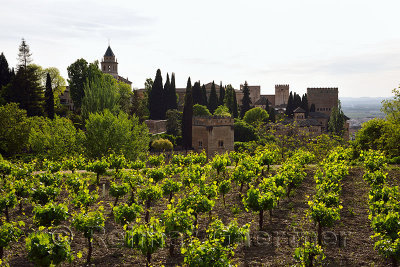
x=324 y=99
x=109 y=63
x=281 y=95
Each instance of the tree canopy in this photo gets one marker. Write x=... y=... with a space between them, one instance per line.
x=246 y=101
x=200 y=110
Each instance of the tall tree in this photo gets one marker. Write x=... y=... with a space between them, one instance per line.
x=5 y=72
x=290 y=105
x=337 y=121
x=77 y=76
x=156 y=98
x=304 y=104
x=196 y=93
x=221 y=95
x=187 y=117
x=172 y=98
x=213 y=100
x=246 y=100
x=312 y=107
x=272 y=114
x=25 y=89
x=235 y=111
x=167 y=87
x=100 y=93
x=204 y=101
x=49 y=98
x=24 y=55
x=297 y=100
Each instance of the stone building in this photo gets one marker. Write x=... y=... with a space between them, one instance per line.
x=324 y=99
x=66 y=100
x=109 y=65
x=213 y=134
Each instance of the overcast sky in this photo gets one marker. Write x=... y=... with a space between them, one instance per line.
x=350 y=44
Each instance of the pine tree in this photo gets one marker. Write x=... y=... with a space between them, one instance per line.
x=246 y=100
x=172 y=98
x=187 y=117
x=221 y=95
x=5 y=72
x=26 y=90
x=304 y=104
x=204 y=101
x=167 y=87
x=196 y=93
x=213 y=100
x=267 y=107
x=290 y=105
x=24 y=55
x=156 y=99
x=49 y=98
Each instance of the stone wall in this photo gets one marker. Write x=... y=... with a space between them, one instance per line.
x=156 y=126
x=281 y=94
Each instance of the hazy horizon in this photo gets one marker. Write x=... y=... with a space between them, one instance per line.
x=352 y=45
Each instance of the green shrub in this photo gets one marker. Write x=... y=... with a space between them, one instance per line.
x=162 y=145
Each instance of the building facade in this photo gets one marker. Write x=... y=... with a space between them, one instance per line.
x=109 y=65
x=212 y=134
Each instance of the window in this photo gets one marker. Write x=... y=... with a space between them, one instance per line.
x=109 y=68
x=220 y=143
x=200 y=144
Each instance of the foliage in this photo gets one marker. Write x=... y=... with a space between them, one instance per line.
x=147 y=238
x=101 y=93
x=14 y=129
x=206 y=253
x=174 y=122
x=50 y=214
x=9 y=232
x=116 y=161
x=309 y=254
x=49 y=98
x=255 y=116
x=125 y=213
x=44 y=194
x=213 y=99
x=246 y=100
x=392 y=107
x=200 y=110
x=229 y=235
x=337 y=121
x=118 y=190
x=156 y=99
x=222 y=111
x=99 y=167
x=156 y=160
x=162 y=145
x=117 y=133
x=56 y=138
x=44 y=250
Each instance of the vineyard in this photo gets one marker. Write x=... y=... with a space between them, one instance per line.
x=234 y=209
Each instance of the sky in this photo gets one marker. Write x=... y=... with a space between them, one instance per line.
x=350 y=44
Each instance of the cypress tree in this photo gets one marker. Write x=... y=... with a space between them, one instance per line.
x=213 y=100
x=290 y=105
x=246 y=101
x=5 y=72
x=304 y=104
x=235 y=112
x=297 y=101
x=204 y=96
x=196 y=93
x=187 y=117
x=172 y=99
x=49 y=98
x=221 y=95
x=272 y=114
x=312 y=108
x=156 y=99
x=167 y=87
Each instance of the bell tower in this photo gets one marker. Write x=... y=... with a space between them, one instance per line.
x=109 y=63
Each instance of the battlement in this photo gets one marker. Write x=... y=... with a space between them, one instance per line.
x=213 y=121
x=281 y=86
x=322 y=89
